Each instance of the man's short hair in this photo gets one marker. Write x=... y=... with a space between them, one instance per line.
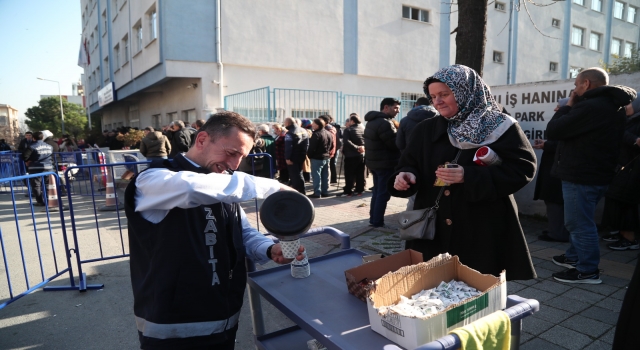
x=326 y=118
x=319 y=122
x=596 y=75
x=178 y=123
x=355 y=118
x=422 y=101
x=200 y=123
x=263 y=128
x=28 y=133
x=289 y=120
x=388 y=101
x=37 y=135
x=221 y=124
x=149 y=128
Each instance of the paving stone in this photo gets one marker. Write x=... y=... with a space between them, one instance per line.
x=537 y=261
x=535 y=325
x=565 y=337
x=514 y=287
x=584 y=295
x=552 y=286
x=535 y=247
x=586 y=326
x=608 y=337
x=539 y=344
x=567 y=304
x=532 y=293
x=600 y=314
x=614 y=281
x=622 y=257
x=619 y=294
x=548 y=244
x=602 y=288
x=543 y=273
x=551 y=266
x=552 y=314
x=598 y=345
x=528 y=282
x=610 y=304
x=525 y=337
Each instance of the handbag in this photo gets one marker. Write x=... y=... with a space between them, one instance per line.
x=625 y=186
x=421 y=223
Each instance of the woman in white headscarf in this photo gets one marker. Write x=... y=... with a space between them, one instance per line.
x=477 y=217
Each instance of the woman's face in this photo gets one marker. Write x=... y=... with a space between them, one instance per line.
x=315 y=126
x=443 y=99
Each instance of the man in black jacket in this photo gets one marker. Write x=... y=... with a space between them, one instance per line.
x=353 y=152
x=381 y=155
x=589 y=130
x=181 y=138
x=296 y=143
x=320 y=146
x=422 y=110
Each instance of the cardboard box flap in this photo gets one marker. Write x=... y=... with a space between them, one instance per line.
x=380 y=267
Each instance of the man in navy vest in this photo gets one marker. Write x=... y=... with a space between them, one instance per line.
x=188 y=239
x=37 y=157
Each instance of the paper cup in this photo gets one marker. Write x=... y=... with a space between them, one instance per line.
x=290 y=248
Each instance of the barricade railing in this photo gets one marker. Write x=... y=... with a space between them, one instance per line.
x=12 y=165
x=26 y=251
x=304 y=104
x=253 y=104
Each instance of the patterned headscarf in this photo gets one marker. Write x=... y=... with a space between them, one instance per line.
x=479 y=121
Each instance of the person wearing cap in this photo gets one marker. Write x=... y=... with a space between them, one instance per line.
x=381 y=155
x=549 y=189
x=47 y=137
x=154 y=145
x=589 y=130
x=39 y=160
x=188 y=238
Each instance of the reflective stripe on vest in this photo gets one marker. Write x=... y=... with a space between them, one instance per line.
x=185 y=330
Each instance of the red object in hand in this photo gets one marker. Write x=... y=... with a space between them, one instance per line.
x=482 y=151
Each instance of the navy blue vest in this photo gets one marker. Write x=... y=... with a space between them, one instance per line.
x=188 y=271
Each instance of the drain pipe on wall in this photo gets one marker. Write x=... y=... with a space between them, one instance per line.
x=219 y=55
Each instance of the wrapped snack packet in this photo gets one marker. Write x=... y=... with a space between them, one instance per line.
x=486 y=156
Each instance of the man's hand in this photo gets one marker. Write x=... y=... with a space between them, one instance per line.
x=289 y=162
x=573 y=99
x=404 y=181
x=360 y=149
x=451 y=175
x=276 y=254
x=286 y=188
x=538 y=144
x=638 y=141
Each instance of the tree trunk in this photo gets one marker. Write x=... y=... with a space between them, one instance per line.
x=471 y=33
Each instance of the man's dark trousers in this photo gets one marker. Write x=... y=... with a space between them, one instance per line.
x=354 y=173
x=380 y=196
x=295 y=176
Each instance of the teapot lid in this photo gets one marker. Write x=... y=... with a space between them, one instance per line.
x=287 y=214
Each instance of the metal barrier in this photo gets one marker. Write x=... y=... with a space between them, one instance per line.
x=273 y=105
x=24 y=255
x=12 y=165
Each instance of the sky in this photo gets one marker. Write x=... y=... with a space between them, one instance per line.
x=38 y=38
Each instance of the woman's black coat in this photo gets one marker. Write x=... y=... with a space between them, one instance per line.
x=478 y=219
x=548 y=188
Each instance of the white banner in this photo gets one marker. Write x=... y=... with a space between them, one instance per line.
x=107 y=94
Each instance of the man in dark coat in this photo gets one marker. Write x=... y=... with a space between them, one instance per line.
x=26 y=142
x=270 y=147
x=381 y=155
x=320 y=145
x=181 y=138
x=589 y=130
x=296 y=143
x=353 y=151
x=422 y=110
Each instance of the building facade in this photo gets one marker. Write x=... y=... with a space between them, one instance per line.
x=9 y=124
x=171 y=59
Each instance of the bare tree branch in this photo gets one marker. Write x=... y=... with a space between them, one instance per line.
x=534 y=23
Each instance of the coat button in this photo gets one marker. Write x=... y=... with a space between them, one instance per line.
x=449 y=222
x=447 y=192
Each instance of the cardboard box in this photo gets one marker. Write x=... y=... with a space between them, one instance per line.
x=373 y=270
x=411 y=332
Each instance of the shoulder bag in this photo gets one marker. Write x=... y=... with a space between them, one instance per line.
x=421 y=224
x=625 y=186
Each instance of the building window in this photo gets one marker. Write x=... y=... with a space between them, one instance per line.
x=574 y=71
x=553 y=66
x=631 y=14
x=125 y=49
x=411 y=96
x=91 y=41
x=116 y=58
x=115 y=8
x=497 y=56
x=579 y=2
x=153 y=24
x=189 y=116
x=594 y=41
x=596 y=5
x=138 y=31
x=3 y=120
x=555 y=22
x=577 y=34
x=104 y=22
x=95 y=30
x=155 y=121
x=618 y=9
x=628 y=49
x=415 y=14
x=615 y=46
x=500 y=6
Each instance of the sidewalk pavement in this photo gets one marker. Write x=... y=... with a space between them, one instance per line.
x=571 y=316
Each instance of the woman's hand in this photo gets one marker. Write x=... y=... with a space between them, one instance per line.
x=404 y=181
x=451 y=175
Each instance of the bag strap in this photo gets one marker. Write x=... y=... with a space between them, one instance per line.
x=455 y=161
x=631 y=161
